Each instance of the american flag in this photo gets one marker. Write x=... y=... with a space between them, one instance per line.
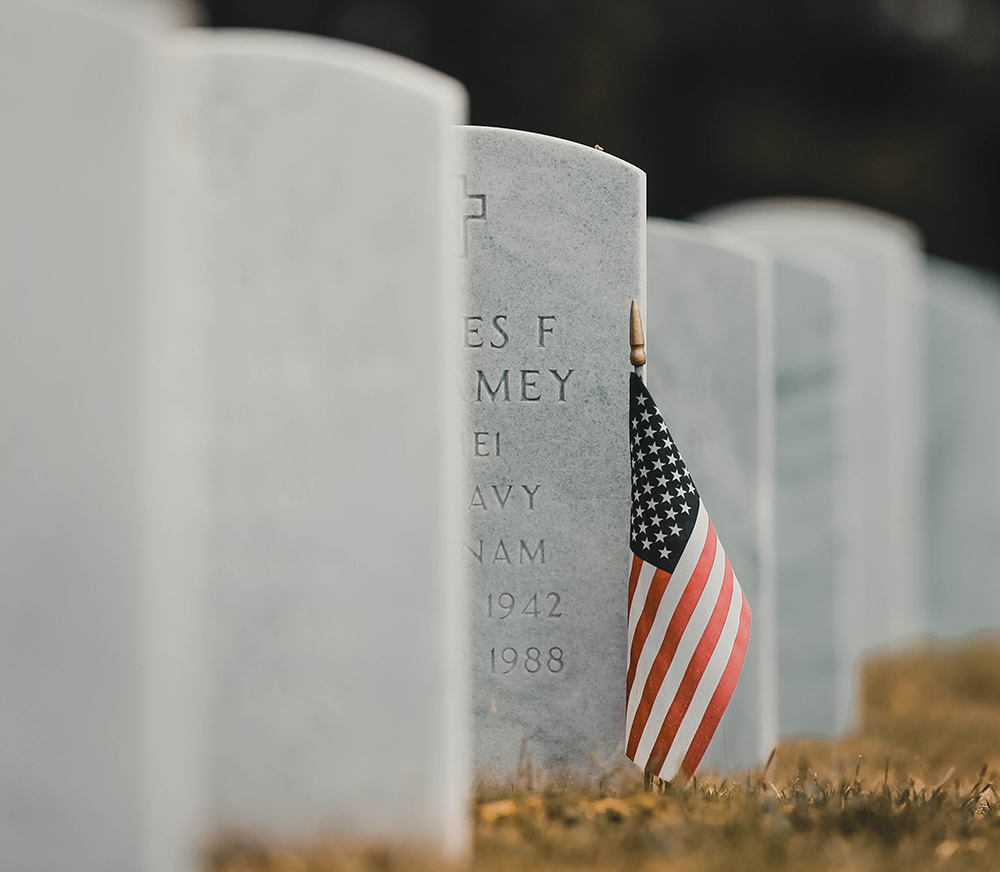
x=688 y=620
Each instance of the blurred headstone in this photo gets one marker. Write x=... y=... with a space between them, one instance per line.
x=81 y=757
x=554 y=247
x=874 y=265
x=305 y=252
x=962 y=321
x=806 y=466
x=710 y=367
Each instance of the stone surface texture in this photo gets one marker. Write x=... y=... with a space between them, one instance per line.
x=709 y=341
x=554 y=250
x=305 y=250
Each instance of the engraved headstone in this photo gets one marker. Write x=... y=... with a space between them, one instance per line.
x=554 y=250
x=81 y=757
x=873 y=265
x=962 y=320
x=710 y=367
x=306 y=254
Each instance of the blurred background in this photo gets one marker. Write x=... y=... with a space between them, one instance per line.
x=890 y=103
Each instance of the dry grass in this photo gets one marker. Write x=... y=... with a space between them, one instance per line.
x=911 y=790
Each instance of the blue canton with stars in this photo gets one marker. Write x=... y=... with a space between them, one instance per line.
x=664 y=499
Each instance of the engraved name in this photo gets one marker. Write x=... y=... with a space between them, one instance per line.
x=524 y=386
x=493 y=331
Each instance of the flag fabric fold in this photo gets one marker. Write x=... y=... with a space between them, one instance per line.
x=688 y=620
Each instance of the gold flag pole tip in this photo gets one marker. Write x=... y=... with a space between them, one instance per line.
x=636 y=338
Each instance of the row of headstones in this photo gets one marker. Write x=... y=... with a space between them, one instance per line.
x=882 y=375
x=248 y=522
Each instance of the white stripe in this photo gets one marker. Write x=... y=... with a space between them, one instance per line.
x=706 y=687
x=639 y=597
x=671 y=596
x=682 y=657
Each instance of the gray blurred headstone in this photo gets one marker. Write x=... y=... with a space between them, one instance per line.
x=306 y=252
x=710 y=368
x=963 y=449
x=554 y=241
x=874 y=265
x=81 y=753
x=806 y=464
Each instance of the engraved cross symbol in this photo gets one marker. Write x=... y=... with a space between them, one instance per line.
x=473 y=208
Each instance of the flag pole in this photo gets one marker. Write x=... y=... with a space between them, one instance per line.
x=637 y=358
x=638 y=342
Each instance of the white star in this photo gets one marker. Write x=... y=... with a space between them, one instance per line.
x=645 y=416
x=661 y=536
x=677 y=474
x=662 y=480
x=671 y=514
x=655 y=520
x=647 y=487
x=676 y=530
x=645 y=543
x=685 y=508
x=642 y=528
x=690 y=488
x=658 y=465
x=665 y=552
x=641 y=399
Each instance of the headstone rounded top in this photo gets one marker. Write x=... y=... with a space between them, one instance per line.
x=833 y=217
x=392 y=70
x=962 y=286
x=707 y=235
x=554 y=143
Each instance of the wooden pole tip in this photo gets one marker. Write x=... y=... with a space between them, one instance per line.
x=636 y=338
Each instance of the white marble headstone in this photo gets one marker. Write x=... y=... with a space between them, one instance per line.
x=710 y=368
x=807 y=458
x=554 y=249
x=962 y=320
x=80 y=752
x=874 y=265
x=305 y=254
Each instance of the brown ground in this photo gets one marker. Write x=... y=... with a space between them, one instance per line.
x=911 y=790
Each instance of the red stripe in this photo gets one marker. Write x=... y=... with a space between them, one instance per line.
x=692 y=676
x=720 y=699
x=633 y=579
x=675 y=630
x=657 y=585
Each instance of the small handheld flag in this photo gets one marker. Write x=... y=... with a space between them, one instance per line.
x=688 y=620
